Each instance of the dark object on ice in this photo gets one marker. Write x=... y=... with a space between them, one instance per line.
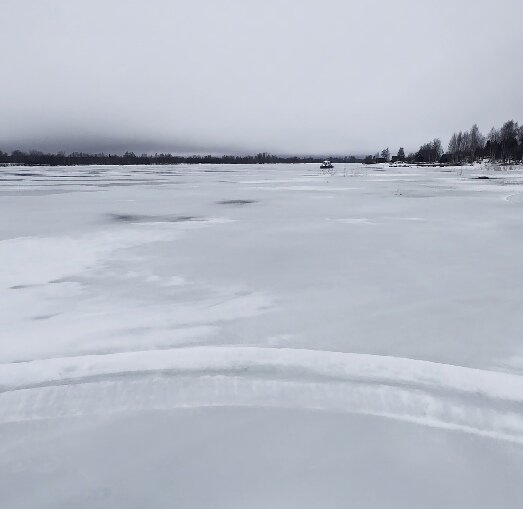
x=483 y=177
x=235 y=202
x=326 y=164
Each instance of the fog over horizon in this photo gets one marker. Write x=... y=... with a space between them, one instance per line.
x=295 y=77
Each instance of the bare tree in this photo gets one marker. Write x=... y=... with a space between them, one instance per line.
x=465 y=150
x=453 y=148
x=477 y=141
x=461 y=146
x=437 y=148
x=493 y=141
x=509 y=143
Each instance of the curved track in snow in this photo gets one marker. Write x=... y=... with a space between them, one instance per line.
x=471 y=400
x=514 y=197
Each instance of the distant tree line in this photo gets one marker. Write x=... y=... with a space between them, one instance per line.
x=503 y=145
x=37 y=158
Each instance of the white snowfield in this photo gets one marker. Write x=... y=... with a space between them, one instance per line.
x=284 y=337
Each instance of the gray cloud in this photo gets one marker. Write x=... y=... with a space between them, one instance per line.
x=295 y=76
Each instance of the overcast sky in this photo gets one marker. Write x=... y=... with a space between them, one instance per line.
x=286 y=76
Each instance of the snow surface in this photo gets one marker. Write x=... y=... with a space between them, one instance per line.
x=261 y=336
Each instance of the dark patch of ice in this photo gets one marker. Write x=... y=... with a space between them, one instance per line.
x=235 y=202
x=137 y=218
x=43 y=317
x=220 y=171
x=39 y=192
x=60 y=280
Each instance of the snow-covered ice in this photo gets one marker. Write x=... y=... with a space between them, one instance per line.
x=261 y=336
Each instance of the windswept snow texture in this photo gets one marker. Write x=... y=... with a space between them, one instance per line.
x=261 y=336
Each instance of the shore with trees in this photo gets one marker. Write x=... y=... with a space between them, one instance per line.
x=38 y=158
x=502 y=145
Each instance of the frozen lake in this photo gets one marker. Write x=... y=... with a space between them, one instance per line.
x=261 y=336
